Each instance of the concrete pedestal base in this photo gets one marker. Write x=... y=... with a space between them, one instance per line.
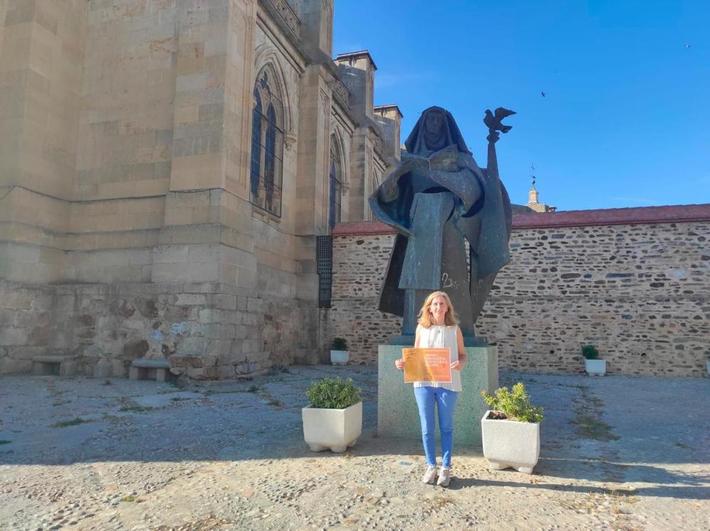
x=397 y=414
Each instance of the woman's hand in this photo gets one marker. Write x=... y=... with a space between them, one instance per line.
x=458 y=365
x=399 y=363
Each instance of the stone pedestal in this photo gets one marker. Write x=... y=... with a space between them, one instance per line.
x=397 y=414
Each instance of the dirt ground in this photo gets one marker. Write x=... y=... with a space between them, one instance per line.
x=75 y=453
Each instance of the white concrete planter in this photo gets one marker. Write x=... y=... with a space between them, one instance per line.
x=334 y=429
x=510 y=444
x=595 y=367
x=339 y=357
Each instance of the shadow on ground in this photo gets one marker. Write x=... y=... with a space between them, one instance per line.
x=612 y=429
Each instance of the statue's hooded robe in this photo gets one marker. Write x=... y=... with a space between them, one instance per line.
x=475 y=207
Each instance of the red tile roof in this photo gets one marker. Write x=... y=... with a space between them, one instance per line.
x=569 y=218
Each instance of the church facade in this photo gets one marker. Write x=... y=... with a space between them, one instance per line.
x=170 y=172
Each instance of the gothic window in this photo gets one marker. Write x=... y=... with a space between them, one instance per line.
x=335 y=185
x=267 y=144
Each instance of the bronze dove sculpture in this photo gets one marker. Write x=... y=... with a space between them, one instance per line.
x=493 y=122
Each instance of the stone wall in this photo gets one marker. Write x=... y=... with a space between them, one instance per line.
x=125 y=173
x=360 y=255
x=634 y=282
x=206 y=330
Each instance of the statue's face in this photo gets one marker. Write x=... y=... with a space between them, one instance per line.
x=434 y=130
x=433 y=122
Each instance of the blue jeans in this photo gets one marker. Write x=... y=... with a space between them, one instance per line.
x=445 y=401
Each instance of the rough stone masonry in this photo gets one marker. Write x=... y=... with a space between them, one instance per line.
x=633 y=282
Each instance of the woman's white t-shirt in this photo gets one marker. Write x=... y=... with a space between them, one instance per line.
x=440 y=336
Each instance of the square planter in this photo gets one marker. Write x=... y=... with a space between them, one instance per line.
x=510 y=444
x=339 y=357
x=334 y=429
x=595 y=367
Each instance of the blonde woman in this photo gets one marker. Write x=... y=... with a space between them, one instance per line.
x=438 y=328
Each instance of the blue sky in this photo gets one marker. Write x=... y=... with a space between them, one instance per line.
x=625 y=120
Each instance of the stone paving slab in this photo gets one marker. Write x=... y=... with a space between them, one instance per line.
x=617 y=453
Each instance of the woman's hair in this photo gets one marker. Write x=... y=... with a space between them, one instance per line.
x=424 y=317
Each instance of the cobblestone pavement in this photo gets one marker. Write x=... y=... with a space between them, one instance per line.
x=617 y=453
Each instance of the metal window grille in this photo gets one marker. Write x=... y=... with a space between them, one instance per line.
x=324 y=268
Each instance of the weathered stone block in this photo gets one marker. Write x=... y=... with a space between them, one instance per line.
x=250 y=319
x=220 y=347
x=254 y=305
x=202 y=287
x=225 y=302
x=226 y=372
x=211 y=360
x=225 y=316
x=14 y=366
x=118 y=368
x=192 y=346
x=103 y=368
x=135 y=349
x=14 y=336
x=191 y=299
x=232 y=356
x=181 y=361
x=16 y=299
x=241 y=331
x=218 y=331
x=205 y=373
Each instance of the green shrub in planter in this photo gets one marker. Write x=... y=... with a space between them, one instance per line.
x=515 y=404
x=590 y=352
x=333 y=393
x=339 y=343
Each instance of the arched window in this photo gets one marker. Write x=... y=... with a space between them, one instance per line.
x=255 y=145
x=267 y=143
x=335 y=184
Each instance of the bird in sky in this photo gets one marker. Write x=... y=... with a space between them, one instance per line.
x=542 y=93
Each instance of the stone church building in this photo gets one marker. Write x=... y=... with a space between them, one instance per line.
x=184 y=183
x=166 y=170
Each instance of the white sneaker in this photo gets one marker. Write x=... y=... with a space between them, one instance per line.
x=430 y=475
x=444 y=477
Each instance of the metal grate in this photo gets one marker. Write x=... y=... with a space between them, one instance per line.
x=324 y=268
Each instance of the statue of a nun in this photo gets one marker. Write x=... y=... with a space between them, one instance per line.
x=453 y=221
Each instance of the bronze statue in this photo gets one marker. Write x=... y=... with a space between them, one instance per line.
x=453 y=221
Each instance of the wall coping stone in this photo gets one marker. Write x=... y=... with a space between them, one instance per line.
x=569 y=218
x=614 y=216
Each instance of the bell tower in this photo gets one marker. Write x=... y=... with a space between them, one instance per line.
x=534 y=198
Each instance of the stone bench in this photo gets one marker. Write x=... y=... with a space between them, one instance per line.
x=47 y=365
x=149 y=369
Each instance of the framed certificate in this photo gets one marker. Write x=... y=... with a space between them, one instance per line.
x=427 y=365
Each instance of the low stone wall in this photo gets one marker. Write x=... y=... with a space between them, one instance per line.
x=206 y=330
x=360 y=255
x=633 y=282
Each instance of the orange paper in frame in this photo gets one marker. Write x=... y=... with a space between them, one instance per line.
x=426 y=365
